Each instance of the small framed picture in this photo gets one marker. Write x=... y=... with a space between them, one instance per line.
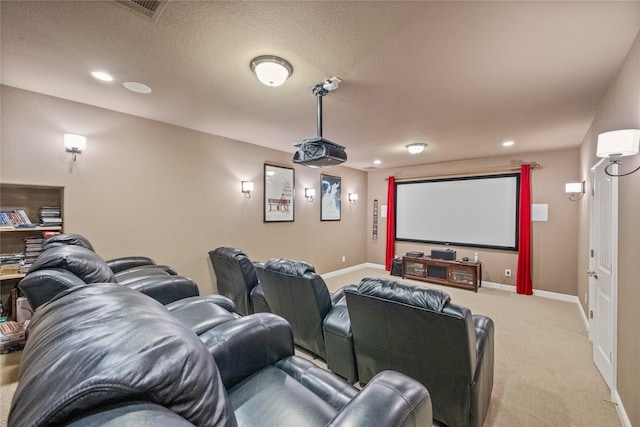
x=279 y=191
x=330 y=201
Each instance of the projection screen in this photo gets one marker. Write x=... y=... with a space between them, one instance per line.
x=478 y=211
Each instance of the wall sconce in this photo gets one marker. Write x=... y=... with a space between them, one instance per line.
x=309 y=193
x=247 y=188
x=617 y=144
x=271 y=70
x=575 y=190
x=74 y=144
x=353 y=198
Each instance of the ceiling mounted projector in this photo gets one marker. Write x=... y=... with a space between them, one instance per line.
x=319 y=152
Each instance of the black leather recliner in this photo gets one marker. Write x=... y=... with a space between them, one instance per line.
x=320 y=321
x=76 y=371
x=419 y=332
x=236 y=279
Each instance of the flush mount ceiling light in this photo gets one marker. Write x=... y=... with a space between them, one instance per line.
x=416 y=148
x=508 y=143
x=271 y=70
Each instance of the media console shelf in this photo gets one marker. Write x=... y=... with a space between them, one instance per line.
x=460 y=274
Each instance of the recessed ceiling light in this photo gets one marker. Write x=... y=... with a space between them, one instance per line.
x=137 y=87
x=101 y=75
x=377 y=162
x=508 y=143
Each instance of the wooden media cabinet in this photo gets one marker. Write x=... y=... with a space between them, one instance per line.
x=460 y=274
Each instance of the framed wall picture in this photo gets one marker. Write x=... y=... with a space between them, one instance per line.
x=279 y=190
x=330 y=202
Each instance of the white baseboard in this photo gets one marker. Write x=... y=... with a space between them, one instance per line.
x=615 y=397
x=350 y=269
x=544 y=294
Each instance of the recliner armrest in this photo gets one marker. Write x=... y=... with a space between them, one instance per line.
x=328 y=386
x=165 y=288
x=389 y=399
x=220 y=300
x=124 y=263
x=338 y=297
x=200 y=313
x=244 y=346
x=144 y=270
x=127 y=277
x=483 y=377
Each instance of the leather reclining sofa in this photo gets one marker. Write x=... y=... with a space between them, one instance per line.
x=419 y=332
x=105 y=354
x=68 y=260
x=117 y=265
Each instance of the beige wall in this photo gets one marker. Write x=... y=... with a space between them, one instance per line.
x=554 y=243
x=620 y=110
x=148 y=188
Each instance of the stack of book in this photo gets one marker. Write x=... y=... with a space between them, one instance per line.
x=51 y=216
x=32 y=250
x=10 y=263
x=14 y=218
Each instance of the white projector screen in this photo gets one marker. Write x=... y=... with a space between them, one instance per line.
x=479 y=211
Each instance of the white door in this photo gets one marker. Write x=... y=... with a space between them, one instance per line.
x=603 y=271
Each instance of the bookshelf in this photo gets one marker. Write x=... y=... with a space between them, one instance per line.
x=30 y=199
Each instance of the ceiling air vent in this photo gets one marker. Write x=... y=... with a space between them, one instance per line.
x=150 y=9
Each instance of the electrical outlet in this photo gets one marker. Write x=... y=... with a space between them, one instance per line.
x=344 y=258
x=507 y=272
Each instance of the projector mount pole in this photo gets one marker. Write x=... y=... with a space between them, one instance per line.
x=319 y=91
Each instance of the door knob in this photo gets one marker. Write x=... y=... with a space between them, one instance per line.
x=592 y=274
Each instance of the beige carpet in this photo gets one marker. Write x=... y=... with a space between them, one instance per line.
x=544 y=375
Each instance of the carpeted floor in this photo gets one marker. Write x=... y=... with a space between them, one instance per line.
x=544 y=374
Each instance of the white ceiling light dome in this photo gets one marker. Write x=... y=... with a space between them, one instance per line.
x=271 y=70
x=416 y=148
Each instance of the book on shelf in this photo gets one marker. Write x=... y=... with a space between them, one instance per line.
x=32 y=250
x=14 y=218
x=51 y=216
x=10 y=263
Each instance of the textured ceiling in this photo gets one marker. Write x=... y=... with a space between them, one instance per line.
x=459 y=76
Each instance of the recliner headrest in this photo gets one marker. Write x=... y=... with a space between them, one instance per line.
x=66 y=239
x=432 y=299
x=229 y=252
x=82 y=262
x=42 y=286
x=290 y=267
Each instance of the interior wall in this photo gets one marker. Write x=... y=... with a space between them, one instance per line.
x=148 y=188
x=554 y=242
x=620 y=110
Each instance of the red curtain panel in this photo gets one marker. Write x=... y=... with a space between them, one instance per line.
x=523 y=276
x=391 y=223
